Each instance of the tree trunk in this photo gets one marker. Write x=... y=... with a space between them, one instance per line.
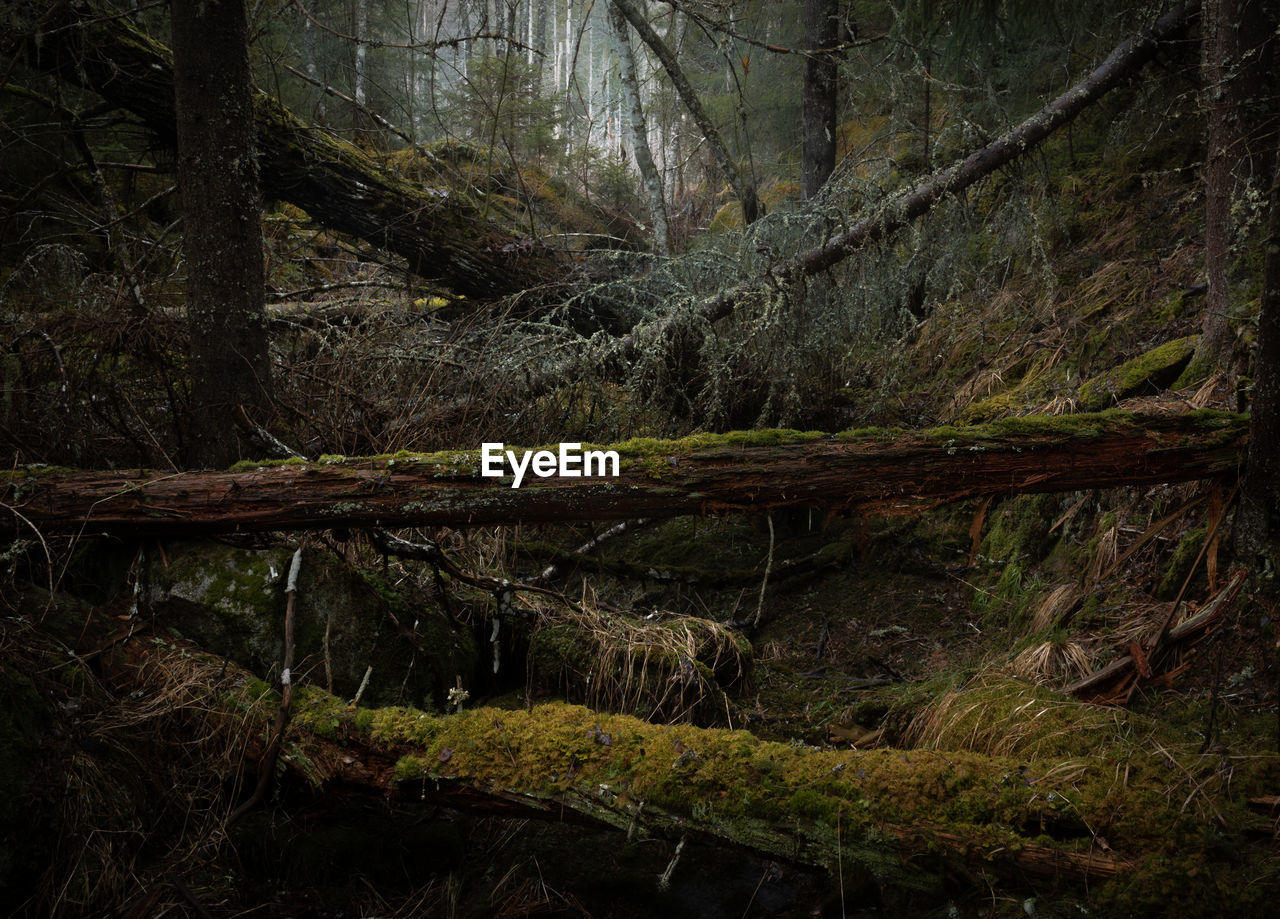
x=359 y=123
x=820 y=93
x=309 y=58
x=439 y=231
x=1237 y=53
x=1258 y=526
x=744 y=188
x=222 y=225
x=540 y=15
x=636 y=124
x=752 y=472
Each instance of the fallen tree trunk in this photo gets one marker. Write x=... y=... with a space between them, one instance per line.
x=1125 y=805
x=884 y=471
x=447 y=234
x=882 y=814
x=1127 y=58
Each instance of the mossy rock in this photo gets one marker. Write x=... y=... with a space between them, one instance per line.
x=232 y=602
x=1149 y=374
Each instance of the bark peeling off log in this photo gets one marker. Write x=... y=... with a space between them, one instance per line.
x=746 y=471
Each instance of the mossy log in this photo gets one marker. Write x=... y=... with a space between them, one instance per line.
x=866 y=471
x=447 y=233
x=891 y=819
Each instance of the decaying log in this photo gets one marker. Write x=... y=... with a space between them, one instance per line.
x=881 y=810
x=884 y=472
x=445 y=233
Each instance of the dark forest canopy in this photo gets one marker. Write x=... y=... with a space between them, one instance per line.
x=1003 y=646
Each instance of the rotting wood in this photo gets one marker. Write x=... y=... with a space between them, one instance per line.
x=569 y=764
x=881 y=472
x=446 y=233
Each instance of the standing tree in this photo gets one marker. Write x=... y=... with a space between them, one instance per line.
x=1258 y=529
x=743 y=186
x=1237 y=58
x=630 y=85
x=222 y=230
x=821 y=33
x=1258 y=525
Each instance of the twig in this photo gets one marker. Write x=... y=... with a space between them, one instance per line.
x=428 y=551
x=334 y=285
x=271 y=446
x=664 y=879
x=364 y=683
x=1213 y=702
x=617 y=530
x=364 y=110
x=187 y=894
x=1177 y=601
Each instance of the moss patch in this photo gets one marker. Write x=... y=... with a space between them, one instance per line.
x=1150 y=373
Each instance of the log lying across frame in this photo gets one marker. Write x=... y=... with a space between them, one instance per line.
x=880 y=471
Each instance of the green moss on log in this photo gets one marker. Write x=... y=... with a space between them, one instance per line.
x=1148 y=373
x=1090 y=775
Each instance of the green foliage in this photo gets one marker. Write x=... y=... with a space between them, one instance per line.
x=500 y=104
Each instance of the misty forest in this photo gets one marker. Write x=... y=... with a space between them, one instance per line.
x=639 y=458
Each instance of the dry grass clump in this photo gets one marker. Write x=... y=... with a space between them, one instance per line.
x=999 y=715
x=1054 y=608
x=1052 y=661
x=669 y=668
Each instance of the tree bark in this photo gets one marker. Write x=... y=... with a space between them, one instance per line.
x=1237 y=57
x=819 y=94
x=1258 y=526
x=885 y=473
x=636 y=125
x=744 y=188
x=222 y=225
x=439 y=230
